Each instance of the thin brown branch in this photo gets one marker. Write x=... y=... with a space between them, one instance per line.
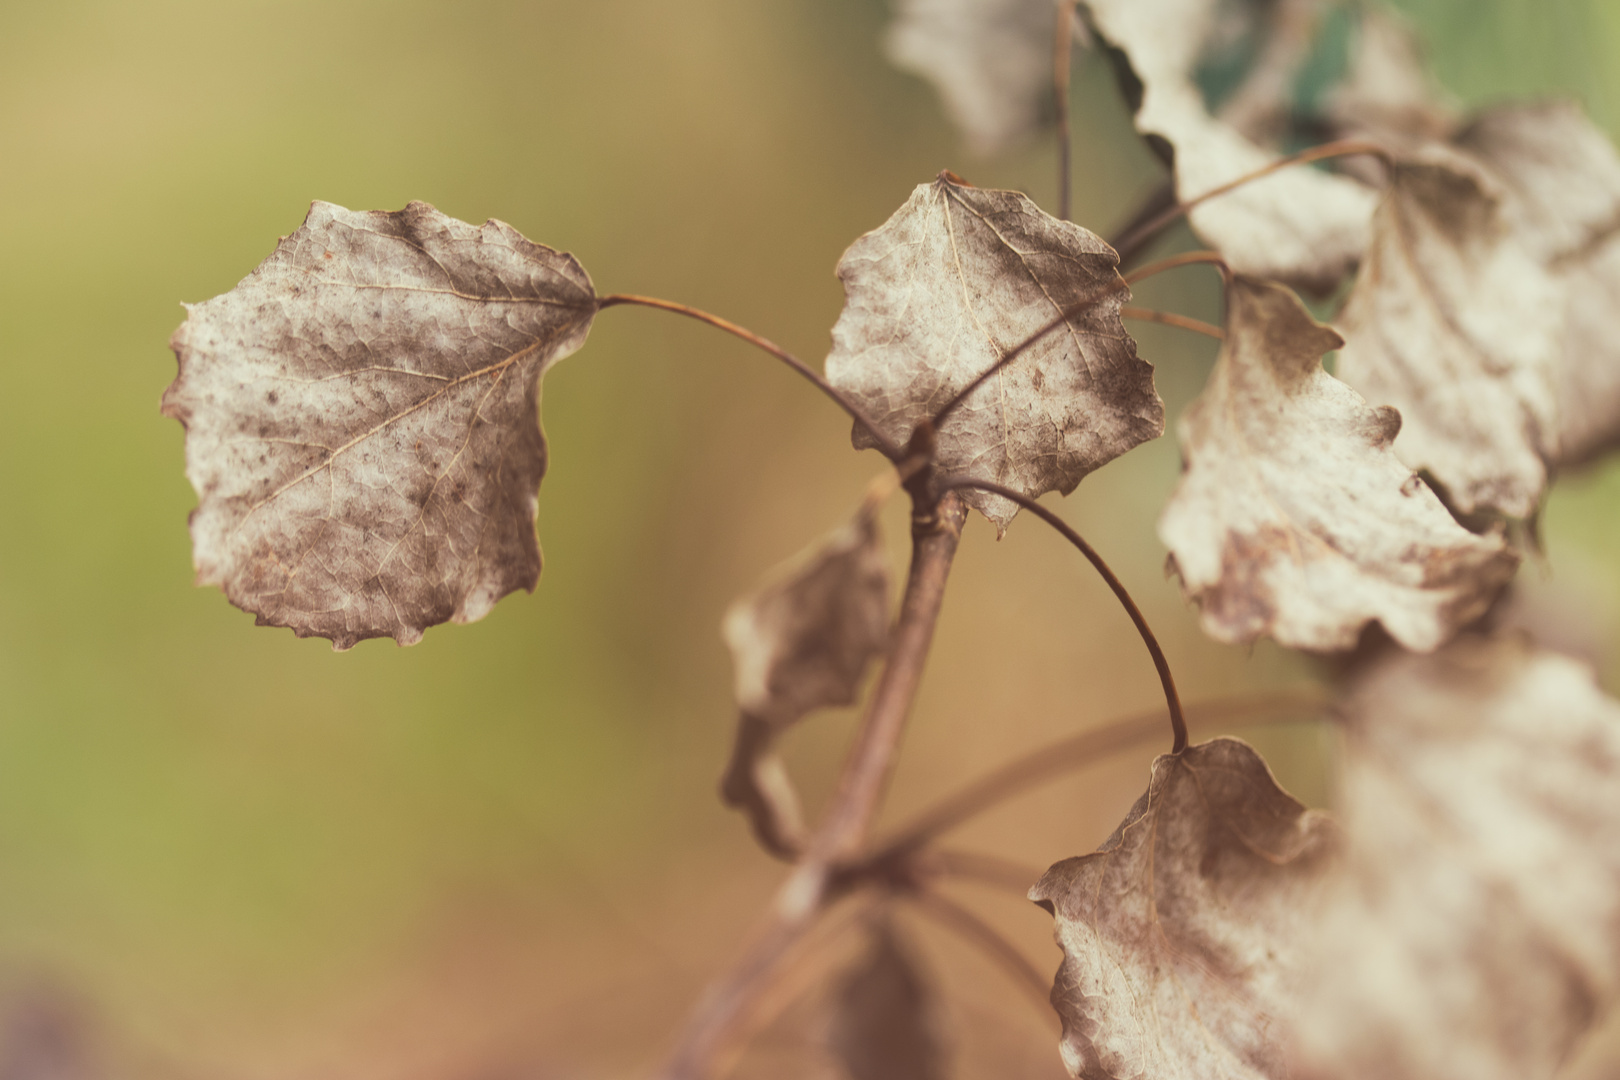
x=1186 y=258
x=1158 y=200
x=1170 y=318
x=974 y=930
x=1139 y=235
x=1059 y=758
x=727 y=1012
x=1062 y=49
x=1178 y=723
x=884 y=444
x=993 y=870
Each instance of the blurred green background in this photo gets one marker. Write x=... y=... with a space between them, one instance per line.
x=498 y=854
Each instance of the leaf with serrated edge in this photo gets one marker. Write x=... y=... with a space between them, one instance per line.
x=1293 y=517
x=957 y=278
x=884 y=1024
x=1181 y=935
x=1455 y=323
x=1300 y=225
x=991 y=61
x=1565 y=174
x=362 y=420
x=800 y=644
x=1478 y=933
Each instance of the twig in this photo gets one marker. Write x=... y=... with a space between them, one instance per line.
x=1140 y=234
x=968 y=926
x=1178 y=723
x=1186 y=258
x=1170 y=318
x=1062 y=42
x=885 y=445
x=1158 y=200
x=727 y=1010
x=1005 y=874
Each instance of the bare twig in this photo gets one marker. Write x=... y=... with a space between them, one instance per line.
x=1186 y=258
x=974 y=930
x=884 y=444
x=1158 y=200
x=1178 y=724
x=1170 y=318
x=728 y=1010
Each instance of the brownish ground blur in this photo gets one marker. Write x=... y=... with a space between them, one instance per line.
x=498 y=855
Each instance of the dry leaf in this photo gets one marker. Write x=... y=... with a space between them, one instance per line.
x=1181 y=935
x=1300 y=224
x=1478 y=935
x=1293 y=517
x=884 y=1026
x=800 y=644
x=1566 y=176
x=1455 y=323
x=957 y=278
x=1387 y=93
x=362 y=421
x=990 y=60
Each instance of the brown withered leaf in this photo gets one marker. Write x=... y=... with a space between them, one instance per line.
x=990 y=60
x=802 y=643
x=1181 y=935
x=1565 y=174
x=1456 y=324
x=1300 y=225
x=1293 y=517
x=362 y=422
x=957 y=278
x=1478 y=932
x=885 y=1024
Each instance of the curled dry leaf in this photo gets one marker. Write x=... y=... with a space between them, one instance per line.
x=991 y=61
x=1293 y=517
x=800 y=644
x=1455 y=323
x=1477 y=935
x=956 y=279
x=1565 y=175
x=362 y=422
x=1181 y=935
x=1300 y=225
x=885 y=1024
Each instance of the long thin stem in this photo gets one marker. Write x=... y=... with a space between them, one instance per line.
x=1157 y=201
x=962 y=922
x=1137 y=236
x=1170 y=318
x=1056 y=759
x=1178 y=723
x=1186 y=258
x=1062 y=43
x=727 y=1010
x=993 y=870
x=885 y=445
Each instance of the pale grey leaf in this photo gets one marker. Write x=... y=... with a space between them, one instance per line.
x=1181 y=935
x=1293 y=516
x=362 y=423
x=1455 y=323
x=1477 y=934
x=991 y=61
x=1299 y=225
x=956 y=279
x=1565 y=174
x=886 y=1025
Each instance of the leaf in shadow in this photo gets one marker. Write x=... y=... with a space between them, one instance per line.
x=1181 y=934
x=362 y=420
x=1293 y=517
x=956 y=279
x=884 y=1024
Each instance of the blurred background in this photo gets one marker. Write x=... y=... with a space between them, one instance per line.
x=498 y=855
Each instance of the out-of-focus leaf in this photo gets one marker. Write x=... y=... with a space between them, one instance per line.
x=1300 y=225
x=1566 y=176
x=885 y=1026
x=959 y=277
x=1294 y=518
x=1387 y=93
x=1181 y=935
x=1478 y=931
x=991 y=61
x=1455 y=323
x=800 y=644
x=362 y=422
